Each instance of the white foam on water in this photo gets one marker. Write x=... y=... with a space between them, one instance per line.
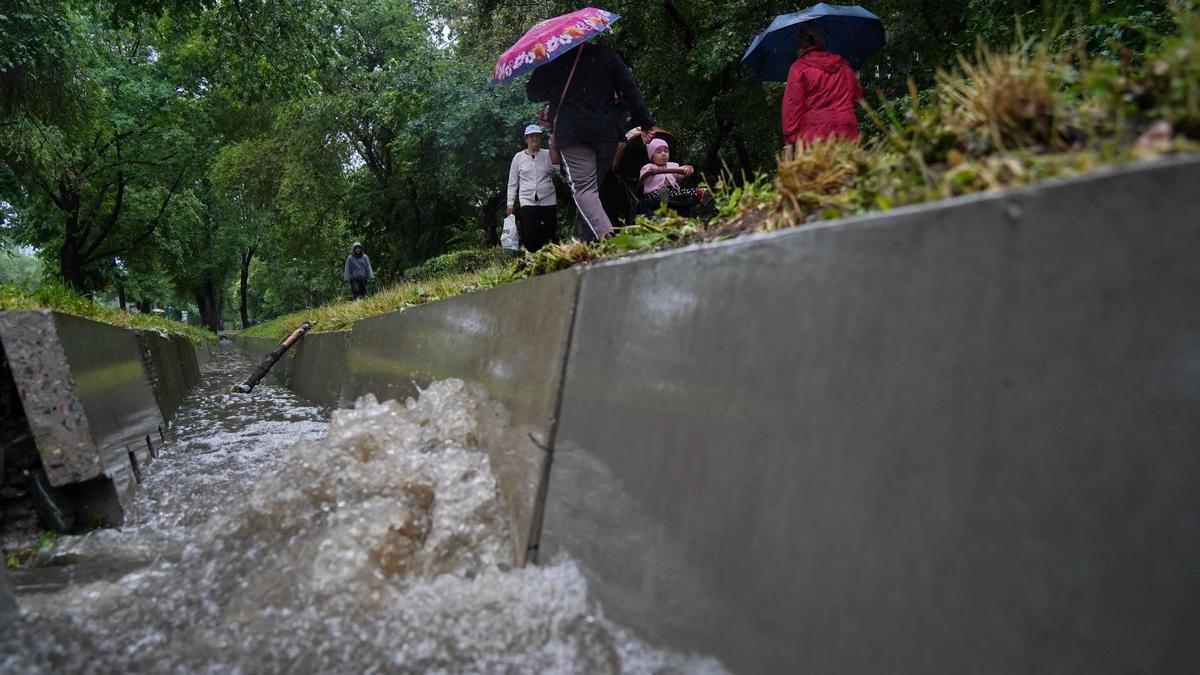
x=268 y=541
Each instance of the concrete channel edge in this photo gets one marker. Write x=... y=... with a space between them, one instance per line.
x=890 y=443
x=90 y=403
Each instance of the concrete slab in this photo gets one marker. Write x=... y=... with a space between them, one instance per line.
x=54 y=410
x=512 y=341
x=956 y=439
x=89 y=406
x=320 y=366
x=113 y=386
x=190 y=356
x=163 y=363
x=203 y=352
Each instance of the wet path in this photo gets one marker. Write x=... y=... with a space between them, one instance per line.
x=272 y=537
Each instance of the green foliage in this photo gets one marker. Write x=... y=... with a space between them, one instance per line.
x=458 y=262
x=286 y=285
x=54 y=295
x=1169 y=86
x=38 y=49
x=18 y=269
x=46 y=540
x=342 y=315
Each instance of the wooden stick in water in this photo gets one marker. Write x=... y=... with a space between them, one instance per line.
x=271 y=359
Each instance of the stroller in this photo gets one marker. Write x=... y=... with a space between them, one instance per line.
x=622 y=193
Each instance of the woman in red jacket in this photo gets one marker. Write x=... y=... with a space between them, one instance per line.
x=821 y=94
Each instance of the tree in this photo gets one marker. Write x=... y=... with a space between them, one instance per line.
x=97 y=188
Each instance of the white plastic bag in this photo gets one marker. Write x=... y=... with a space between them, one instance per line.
x=509 y=240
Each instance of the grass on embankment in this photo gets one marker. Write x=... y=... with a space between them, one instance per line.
x=1039 y=110
x=59 y=298
x=342 y=315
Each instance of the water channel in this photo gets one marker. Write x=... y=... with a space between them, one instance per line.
x=273 y=536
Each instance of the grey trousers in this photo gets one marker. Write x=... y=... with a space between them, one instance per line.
x=586 y=165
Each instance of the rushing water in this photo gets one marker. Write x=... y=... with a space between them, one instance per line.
x=272 y=537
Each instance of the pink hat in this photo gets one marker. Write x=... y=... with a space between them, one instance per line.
x=654 y=145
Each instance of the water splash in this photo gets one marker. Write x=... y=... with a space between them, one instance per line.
x=268 y=541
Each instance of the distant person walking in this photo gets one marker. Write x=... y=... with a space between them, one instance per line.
x=531 y=180
x=587 y=91
x=358 y=271
x=821 y=94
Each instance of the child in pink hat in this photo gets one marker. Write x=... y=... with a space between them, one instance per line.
x=661 y=176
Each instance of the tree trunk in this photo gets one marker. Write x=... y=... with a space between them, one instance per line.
x=743 y=154
x=70 y=259
x=210 y=311
x=712 y=163
x=121 y=295
x=488 y=223
x=245 y=280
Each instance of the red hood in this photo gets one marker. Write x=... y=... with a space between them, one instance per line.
x=823 y=59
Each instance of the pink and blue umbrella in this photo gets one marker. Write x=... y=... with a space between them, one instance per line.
x=551 y=39
x=853 y=33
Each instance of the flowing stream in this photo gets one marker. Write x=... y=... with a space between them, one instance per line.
x=271 y=536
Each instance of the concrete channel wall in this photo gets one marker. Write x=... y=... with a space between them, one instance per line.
x=512 y=341
x=94 y=400
x=957 y=438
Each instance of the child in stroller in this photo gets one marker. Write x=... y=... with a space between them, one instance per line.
x=624 y=191
x=660 y=177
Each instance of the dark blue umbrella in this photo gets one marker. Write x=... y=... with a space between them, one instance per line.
x=854 y=34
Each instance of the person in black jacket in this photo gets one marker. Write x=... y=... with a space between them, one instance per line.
x=593 y=84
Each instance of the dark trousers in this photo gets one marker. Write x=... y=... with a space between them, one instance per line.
x=358 y=288
x=538 y=226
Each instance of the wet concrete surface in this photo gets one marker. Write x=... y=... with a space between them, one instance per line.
x=955 y=439
x=321 y=366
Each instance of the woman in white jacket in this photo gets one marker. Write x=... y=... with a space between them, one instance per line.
x=531 y=180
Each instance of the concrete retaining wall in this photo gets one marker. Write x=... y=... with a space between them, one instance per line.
x=94 y=398
x=512 y=341
x=172 y=368
x=320 y=366
x=959 y=438
x=964 y=438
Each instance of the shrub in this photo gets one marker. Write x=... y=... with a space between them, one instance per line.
x=456 y=262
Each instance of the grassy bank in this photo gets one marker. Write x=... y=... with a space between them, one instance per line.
x=56 y=297
x=342 y=315
x=1040 y=110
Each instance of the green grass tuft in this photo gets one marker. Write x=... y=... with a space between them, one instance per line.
x=56 y=296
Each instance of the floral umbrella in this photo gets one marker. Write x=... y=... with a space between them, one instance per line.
x=551 y=39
